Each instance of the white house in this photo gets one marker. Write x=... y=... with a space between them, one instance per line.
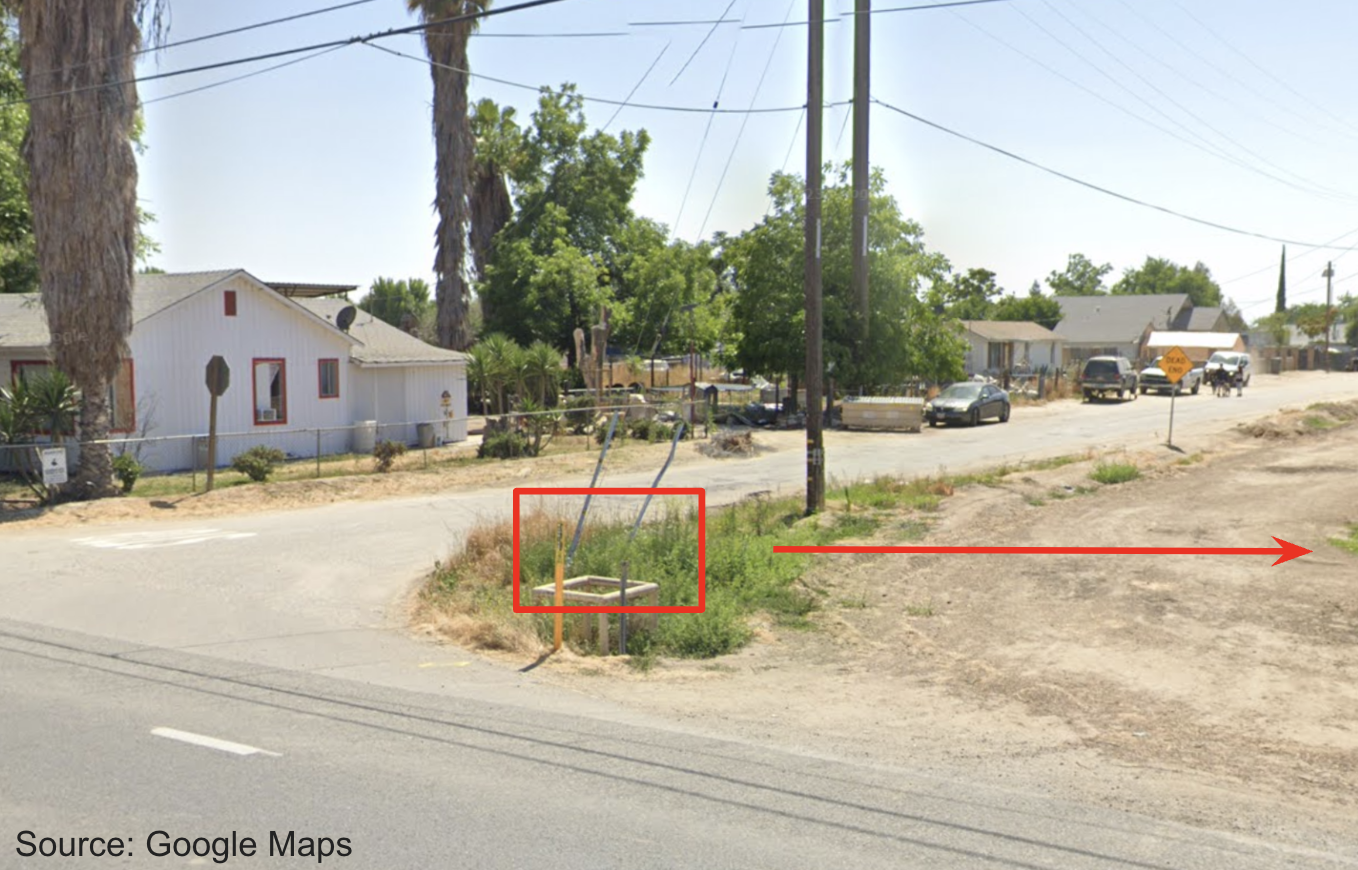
x=298 y=381
x=999 y=345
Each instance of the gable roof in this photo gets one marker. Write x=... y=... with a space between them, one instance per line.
x=1203 y=319
x=380 y=343
x=23 y=323
x=1116 y=319
x=1010 y=330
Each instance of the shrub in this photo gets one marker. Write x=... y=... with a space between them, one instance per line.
x=1115 y=472
x=127 y=469
x=503 y=445
x=258 y=462
x=385 y=453
x=580 y=414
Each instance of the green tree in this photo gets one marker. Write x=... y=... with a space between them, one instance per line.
x=1035 y=307
x=971 y=295
x=1080 y=277
x=552 y=264
x=446 y=46
x=910 y=335
x=1160 y=276
x=399 y=303
x=1275 y=325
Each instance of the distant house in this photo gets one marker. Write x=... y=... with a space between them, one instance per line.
x=1198 y=346
x=299 y=381
x=996 y=346
x=1118 y=325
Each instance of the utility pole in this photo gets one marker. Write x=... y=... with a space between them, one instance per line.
x=862 y=94
x=815 y=106
x=1329 y=302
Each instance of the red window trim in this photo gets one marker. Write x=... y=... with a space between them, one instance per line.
x=132 y=390
x=320 y=382
x=254 y=390
x=229 y=300
x=16 y=364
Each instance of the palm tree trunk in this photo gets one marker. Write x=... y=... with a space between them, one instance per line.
x=447 y=47
x=78 y=67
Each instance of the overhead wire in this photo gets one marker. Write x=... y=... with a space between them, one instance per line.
x=632 y=93
x=1291 y=259
x=699 y=49
x=745 y=120
x=1104 y=190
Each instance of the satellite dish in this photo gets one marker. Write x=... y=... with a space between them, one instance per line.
x=345 y=318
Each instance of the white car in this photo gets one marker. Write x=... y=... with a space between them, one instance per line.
x=1230 y=361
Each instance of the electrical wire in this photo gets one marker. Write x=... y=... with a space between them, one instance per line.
x=702 y=43
x=702 y=144
x=696 y=110
x=744 y=121
x=786 y=24
x=304 y=49
x=1290 y=259
x=626 y=101
x=1091 y=186
x=233 y=79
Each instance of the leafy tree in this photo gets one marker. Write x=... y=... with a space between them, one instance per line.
x=1080 y=277
x=1035 y=307
x=909 y=335
x=1158 y=275
x=399 y=303
x=1275 y=325
x=78 y=66
x=446 y=46
x=552 y=265
x=972 y=295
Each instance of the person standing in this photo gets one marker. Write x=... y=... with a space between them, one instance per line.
x=1240 y=378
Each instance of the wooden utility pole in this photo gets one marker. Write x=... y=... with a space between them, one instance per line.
x=862 y=94
x=815 y=106
x=1329 y=302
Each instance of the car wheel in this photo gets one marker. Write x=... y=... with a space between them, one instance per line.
x=1194 y=391
x=1004 y=414
x=933 y=424
x=976 y=417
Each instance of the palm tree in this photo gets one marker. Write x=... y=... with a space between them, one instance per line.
x=446 y=46
x=78 y=65
x=542 y=365
x=496 y=139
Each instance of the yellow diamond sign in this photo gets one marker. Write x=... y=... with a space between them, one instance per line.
x=1175 y=364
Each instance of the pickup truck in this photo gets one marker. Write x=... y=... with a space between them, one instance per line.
x=1153 y=379
x=1105 y=376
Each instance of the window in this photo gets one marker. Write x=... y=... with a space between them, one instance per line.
x=271 y=392
x=229 y=297
x=20 y=369
x=328 y=374
x=122 y=400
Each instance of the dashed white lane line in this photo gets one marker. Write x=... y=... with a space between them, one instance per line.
x=211 y=742
x=149 y=540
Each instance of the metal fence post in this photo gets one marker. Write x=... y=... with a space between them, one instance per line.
x=318 y=452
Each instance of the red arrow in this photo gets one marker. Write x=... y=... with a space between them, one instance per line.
x=1284 y=551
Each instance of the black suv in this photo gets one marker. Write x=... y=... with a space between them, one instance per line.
x=1104 y=376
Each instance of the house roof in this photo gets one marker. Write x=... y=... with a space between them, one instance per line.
x=1209 y=340
x=380 y=343
x=311 y=290
x=1116 y=319
x=1010 y=330
x=1203 y=319
x=23 y=323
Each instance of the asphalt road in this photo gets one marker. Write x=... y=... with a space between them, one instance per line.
x=278 y=631
x=102 y=739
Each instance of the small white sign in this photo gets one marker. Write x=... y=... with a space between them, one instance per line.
x=53 y=465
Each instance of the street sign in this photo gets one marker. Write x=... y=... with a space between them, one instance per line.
x=218 y=376
x=53 y=465
x=1175 y=364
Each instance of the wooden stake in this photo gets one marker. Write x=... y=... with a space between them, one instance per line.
x=560 y=584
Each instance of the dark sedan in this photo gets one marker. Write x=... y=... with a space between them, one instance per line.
x=968 y=402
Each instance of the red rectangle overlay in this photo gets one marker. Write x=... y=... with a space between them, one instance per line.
x=661 y=491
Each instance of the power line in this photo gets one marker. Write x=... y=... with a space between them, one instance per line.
x=249 y=75
x=702 y=43
x=786 y=24
x=636 y=87
x=205 y=37
x=696 y=110
x=710 y=118
x=1290 y=259
x=1122 y=196
x=305 y=49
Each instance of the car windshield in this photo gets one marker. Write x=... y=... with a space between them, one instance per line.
x=1229 y=359
x=961 y=391
x=1101 y=367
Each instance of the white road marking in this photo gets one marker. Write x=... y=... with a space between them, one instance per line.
x=149 y=540
x=212 y=742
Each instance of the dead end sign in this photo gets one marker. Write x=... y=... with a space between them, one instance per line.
x=1175 y=364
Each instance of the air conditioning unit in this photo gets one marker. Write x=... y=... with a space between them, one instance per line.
x=268 y=415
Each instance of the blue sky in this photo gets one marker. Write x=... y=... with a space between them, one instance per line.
x=1243 y=114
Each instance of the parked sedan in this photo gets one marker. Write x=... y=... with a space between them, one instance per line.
x=1153 y=379
x=968 y=402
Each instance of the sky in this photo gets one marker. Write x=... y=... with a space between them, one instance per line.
x=1237 y=113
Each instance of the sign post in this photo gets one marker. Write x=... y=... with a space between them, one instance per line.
x=1175 y=364
x=560 y=598
x=218 y=379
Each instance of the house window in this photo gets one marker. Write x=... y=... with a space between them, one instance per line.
x=229 y=298
x=271 y=392
x=122 y=400
x=999 y=356
x=328 y=373
x=20 y=369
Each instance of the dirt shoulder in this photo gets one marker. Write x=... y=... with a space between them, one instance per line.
x=1213 y=690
